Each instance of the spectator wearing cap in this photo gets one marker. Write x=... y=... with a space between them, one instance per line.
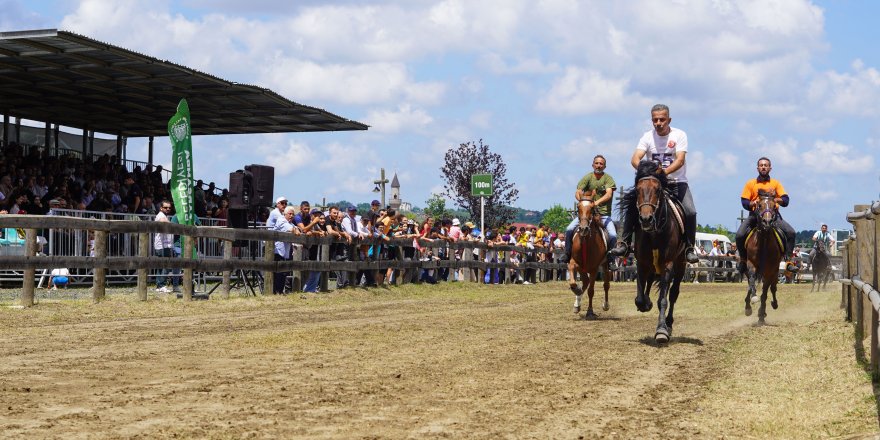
x=351 y=223
x=277 y=214
x=282 y=248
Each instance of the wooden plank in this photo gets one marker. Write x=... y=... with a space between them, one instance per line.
x=226 y=284
x=269 y=275
x=100 y=270
x=143 y=251
x=187 y=272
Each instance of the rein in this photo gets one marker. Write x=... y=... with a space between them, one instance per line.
x=655 y=207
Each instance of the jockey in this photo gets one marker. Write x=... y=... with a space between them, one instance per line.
x=823 y=236
x=602 y=185
x=749 y=199
x=667 y=146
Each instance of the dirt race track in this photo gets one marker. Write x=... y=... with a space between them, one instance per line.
x=449 y=361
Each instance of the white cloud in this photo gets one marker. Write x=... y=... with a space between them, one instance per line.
x=284 y=154
x=835 y=158
x=405 y=118
x=856 y=93
x=497 y=65
x=582 y=91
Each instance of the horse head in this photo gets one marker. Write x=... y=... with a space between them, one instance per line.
x=585 y=212
x=649 y=190
x=766 y=209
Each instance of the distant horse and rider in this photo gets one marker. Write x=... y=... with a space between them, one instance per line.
x=589 y=246
x=659 y=244
x=765 y=248
x=821 y=267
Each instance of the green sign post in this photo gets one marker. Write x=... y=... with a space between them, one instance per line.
x=481 y=185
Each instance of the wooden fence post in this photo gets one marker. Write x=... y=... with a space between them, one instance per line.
x=466 y=256
x=100 y=270
x=353 y=257
x=268 y=275
x=324 y=257
x=30 y=250
x=227 y=274
x=297 y=255
x=143 y=252
x=188 y=272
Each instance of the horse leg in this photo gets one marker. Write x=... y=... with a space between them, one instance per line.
x=661 y=335
x=762 y=311
x=606 y=284
x=572 y=284
x=750 y=293
x=673 y=297
x=590 y=287
x=643 y=292
x=813 y=286
x=774 y=303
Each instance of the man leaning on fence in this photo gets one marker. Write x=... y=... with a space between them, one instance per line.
x=163 y=245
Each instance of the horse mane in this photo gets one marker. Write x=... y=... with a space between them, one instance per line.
x=649 y=168
x=766 y=193
x=629 y=198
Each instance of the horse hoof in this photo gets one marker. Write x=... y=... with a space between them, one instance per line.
x=577 y=309
x=590 y=316
x=755 y=299
x=774 y=304
x=748 y=311
x=606 y=307
x=661 y=336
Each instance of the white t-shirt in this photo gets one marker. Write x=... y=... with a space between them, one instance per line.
x=664 y=148
x=63 y=272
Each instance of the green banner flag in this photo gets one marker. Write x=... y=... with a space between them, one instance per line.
x=180 y=133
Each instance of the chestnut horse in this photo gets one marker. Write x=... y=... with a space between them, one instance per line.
x=764 y=252
x=659 y=244
x=587 y=254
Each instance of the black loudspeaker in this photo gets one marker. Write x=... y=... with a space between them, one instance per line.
x=263 y=184
x=240 y=190
x=237 y=218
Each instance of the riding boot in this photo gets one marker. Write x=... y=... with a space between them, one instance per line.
x=569 y=236
x=741 y=266
x=690 y=232
x=620 y=250
x=611 y=265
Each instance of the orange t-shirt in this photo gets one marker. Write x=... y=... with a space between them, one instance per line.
x=750 y=191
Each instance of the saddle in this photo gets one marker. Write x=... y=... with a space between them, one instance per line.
x=676 y=210
x=780 y=238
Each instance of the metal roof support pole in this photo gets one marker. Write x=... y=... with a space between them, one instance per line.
x=85 y=145
x=119 y=147
x=150 y=152
x=5 y=130
x=47 y=134
x=91 y=145
x=17 y=130
x=55 y=139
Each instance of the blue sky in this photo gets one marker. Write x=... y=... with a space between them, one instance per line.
x=546 y=84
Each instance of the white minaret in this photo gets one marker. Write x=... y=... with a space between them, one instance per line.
x=395 y=193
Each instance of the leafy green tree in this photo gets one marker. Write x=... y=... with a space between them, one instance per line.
x=557 y=217
x=436 y=207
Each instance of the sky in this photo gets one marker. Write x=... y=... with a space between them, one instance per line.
x=546 y=84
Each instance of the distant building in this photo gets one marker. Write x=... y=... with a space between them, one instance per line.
x=395 y=194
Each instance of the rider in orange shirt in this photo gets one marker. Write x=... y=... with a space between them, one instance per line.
x=749 y=199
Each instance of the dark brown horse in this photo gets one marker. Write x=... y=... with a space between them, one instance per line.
x=764 y=252
x=587 y=254
x=659 y=244
x=821 y=267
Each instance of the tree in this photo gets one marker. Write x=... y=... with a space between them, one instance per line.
x=557 y=218
x=435 y=207
x=475 y=158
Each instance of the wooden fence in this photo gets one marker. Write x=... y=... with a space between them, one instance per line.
x=475 y=265
x=859 y=295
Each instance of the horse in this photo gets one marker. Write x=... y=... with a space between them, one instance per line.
x=587 y=254
x=821 y=267
x=659 y=244
x=764 y=249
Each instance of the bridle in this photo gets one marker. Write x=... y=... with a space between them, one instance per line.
x=584 y=230
x=655 y=207
x=767 y=205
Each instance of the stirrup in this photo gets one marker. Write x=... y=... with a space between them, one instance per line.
x=620 y=250
x=691 y=256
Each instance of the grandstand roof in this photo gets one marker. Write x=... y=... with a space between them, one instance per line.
x=64 y=78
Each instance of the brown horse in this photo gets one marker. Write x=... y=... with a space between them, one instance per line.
x=764 y=252
x=587 y=254
x=659 y=244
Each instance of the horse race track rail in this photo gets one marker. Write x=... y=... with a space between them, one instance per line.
x=445 y=361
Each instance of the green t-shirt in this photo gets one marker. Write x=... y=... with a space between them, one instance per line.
x=600 y=185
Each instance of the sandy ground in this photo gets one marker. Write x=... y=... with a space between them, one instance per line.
x=455 y=361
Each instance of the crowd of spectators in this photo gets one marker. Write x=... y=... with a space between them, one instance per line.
x=32 y=181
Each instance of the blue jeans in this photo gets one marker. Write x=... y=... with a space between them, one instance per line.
x=161 y=276
x=312 y=282
x=606 y=221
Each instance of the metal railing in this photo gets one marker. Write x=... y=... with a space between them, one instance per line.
x=859 y=295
